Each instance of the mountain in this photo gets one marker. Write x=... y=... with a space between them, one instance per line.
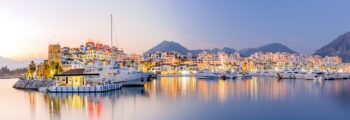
x=228 y=50
x=215 y=50
x=13 y=64
x=246 y=52
x=196 y=52
x=168 y=46
x=338 y=47
x=273 y=48
x=165 y=46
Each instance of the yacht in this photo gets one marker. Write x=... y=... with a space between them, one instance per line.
x=313 y=75
x=184 y=71
x=287 y=74
x=267 y=74
x=131 y=77
x=301 y=75
x=228 y=75
x=257 y=73
x=114 y=73
x=334 y=76
x=206 y=74
x=243 y=75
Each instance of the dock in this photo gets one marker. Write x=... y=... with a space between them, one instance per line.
x=84 y=89
x=50 y=86
x=33 y=84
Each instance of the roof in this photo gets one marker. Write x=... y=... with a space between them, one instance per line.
x=76 y=72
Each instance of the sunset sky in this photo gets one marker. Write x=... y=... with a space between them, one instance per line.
x=28 y=26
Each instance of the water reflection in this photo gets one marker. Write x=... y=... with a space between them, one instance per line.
x=222 y=90
x=166 y=95
x=94 y=106
x=255 y=89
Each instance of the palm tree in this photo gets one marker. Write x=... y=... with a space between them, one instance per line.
x=55 y=68
x=147 y=65
x=39 y=72
x=31 y=70
x=46 y=70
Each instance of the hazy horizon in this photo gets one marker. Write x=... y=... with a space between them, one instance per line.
x=304 y=26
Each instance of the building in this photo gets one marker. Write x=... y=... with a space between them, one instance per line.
x=78 y=57
x=76 y=78
x=55 y=53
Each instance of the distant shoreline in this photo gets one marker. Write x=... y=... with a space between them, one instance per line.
x=5 y=78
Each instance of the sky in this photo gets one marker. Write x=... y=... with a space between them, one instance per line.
x=28 y=26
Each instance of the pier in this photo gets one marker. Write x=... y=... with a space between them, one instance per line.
x=50 y=86
x=33 y=84
x=84 y=89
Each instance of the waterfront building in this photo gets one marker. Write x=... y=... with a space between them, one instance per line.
x=73 y=58
x=159 y=69
x=259 y=61
x=76 y=78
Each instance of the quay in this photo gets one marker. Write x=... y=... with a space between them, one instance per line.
x=71 y=81
x=50 y=86
x=84 y=89
x=78 y=81
x=33 y=84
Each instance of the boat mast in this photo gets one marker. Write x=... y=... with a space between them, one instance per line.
x=111 y=31
x=111 y=46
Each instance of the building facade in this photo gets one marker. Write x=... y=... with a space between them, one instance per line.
x=55 y=53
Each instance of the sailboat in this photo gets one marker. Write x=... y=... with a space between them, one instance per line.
x=129 y=77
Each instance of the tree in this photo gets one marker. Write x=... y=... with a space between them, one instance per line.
x=46 y=70
x=31 y=70
x=245 y=67
x=146 y=65
x=39 y=72
x=4 y=71
x=56 y=68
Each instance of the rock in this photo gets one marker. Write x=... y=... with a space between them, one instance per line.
x=33 y=84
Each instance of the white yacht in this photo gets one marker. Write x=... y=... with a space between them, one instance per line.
x=206 y=74
x=114 y=73
x=301 y=75
x=131 y=77
x=184 y=71
x=313 y=75
x=228 y=75
x=263 y=73
x=243 y=75
x=334 y=76
x=287 y=74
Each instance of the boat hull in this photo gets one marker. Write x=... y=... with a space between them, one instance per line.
x=138 y=79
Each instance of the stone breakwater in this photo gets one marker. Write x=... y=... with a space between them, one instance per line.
x=33 y=84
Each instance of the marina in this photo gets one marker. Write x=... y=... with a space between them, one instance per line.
x=263 y=97
x=174 y=60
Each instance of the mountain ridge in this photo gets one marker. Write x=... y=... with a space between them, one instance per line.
x=174 y=46
x=13 y=64
x=272 y=47
x=340 y=46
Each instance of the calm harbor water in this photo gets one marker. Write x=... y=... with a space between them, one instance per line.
x=187 y=98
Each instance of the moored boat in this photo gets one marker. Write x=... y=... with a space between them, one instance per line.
x=206 y=74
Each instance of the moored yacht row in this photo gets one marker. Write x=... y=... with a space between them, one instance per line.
x=297 y=74
x=206 y=74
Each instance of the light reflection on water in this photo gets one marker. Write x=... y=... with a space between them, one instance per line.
x=187 y=98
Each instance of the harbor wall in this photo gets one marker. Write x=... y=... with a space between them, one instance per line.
x=33 y=84
x=84 y=89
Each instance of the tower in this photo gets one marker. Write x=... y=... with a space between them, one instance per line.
x=55 y=53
